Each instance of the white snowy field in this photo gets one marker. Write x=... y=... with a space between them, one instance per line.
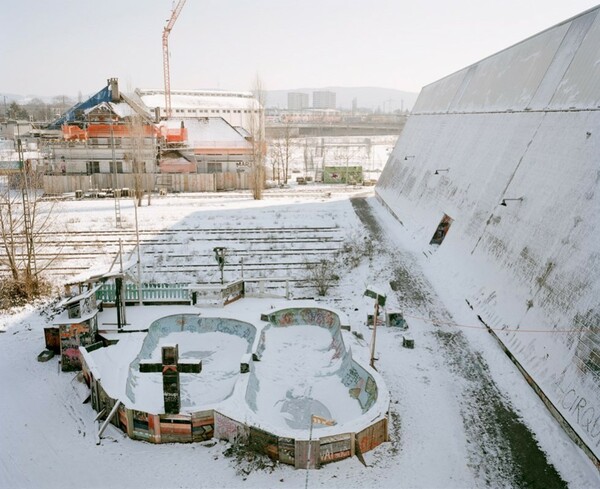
x=439 y=436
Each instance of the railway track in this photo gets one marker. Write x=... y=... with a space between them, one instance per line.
x=186 y=254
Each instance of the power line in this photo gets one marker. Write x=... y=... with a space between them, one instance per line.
x=488 y=328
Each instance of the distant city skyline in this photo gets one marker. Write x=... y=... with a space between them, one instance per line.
x=68 y=47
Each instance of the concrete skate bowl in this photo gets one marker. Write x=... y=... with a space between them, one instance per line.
x=218 y=342
x=306 y=385
x=302 y=375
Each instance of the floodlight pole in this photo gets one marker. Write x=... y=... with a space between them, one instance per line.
x=375 y=316
x=308 y=452
x=139 y=261
x=220 y=257
x=379 y=301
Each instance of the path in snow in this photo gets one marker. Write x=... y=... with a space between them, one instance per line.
x=501 y=449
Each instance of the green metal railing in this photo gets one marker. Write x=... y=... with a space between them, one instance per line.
x=150 y=292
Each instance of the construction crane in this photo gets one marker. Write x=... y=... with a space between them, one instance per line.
x=165 y=43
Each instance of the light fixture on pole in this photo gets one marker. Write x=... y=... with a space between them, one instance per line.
x=503 y=203
x=437 y=172
x=379 y=301
x=220 y=257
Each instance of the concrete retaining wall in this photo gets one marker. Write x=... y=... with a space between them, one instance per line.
x=522 y=124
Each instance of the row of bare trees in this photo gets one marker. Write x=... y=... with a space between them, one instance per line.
x=37 y=109
x=24 y=219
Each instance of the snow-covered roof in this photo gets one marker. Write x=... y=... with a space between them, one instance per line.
x=103 y=271
x=200 y=99
x=84 y=295
x=208 y=131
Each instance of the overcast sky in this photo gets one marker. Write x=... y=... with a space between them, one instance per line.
x=51 y=47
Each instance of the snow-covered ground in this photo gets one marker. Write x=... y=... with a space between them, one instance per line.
x=461 y=416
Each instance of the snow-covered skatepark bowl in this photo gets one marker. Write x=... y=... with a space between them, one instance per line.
x=281 y=383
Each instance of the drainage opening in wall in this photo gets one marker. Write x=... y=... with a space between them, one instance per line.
x=442 y=230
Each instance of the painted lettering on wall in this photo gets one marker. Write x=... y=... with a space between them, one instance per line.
x=583 y=412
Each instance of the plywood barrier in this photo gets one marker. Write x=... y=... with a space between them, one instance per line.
x=264 y=442
x=122 y=418
x=141 y=428
x=229 y=429
x=336 y=447
x=175 y=428
x=287 y=450
x=203 y=425
x=307 y=454
x=372 y=436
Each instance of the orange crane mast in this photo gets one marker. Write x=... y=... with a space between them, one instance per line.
x=165 y=43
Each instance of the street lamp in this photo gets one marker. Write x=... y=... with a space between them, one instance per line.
x=220 y=257
x=503 y=203
x=379 y=301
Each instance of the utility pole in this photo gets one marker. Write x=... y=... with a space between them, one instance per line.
x=116 y=190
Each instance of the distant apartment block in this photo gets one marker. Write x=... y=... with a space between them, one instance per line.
x=324 y=100
x=297 y=101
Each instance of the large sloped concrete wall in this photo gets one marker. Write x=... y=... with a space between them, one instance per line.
x=524 y=122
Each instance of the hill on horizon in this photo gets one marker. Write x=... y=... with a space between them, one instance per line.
x=373 y=98
x=384 y=99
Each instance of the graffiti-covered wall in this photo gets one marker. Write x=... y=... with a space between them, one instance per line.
x=506 y=150
x=359 y=382
x=72 y=336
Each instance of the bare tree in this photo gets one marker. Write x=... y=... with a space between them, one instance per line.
x=138 y=163
x=286 y=143
x=257 y=133
x=280 y=149
x=24 y=219
x=322 y=275
x=275 y=152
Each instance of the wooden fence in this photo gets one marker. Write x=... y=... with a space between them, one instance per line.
x=179 y=182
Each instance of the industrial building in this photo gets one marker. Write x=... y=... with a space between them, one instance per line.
x=496 y=176
x=109 y=138
x=297 y=101
x=324 y=99
x=239 y=109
